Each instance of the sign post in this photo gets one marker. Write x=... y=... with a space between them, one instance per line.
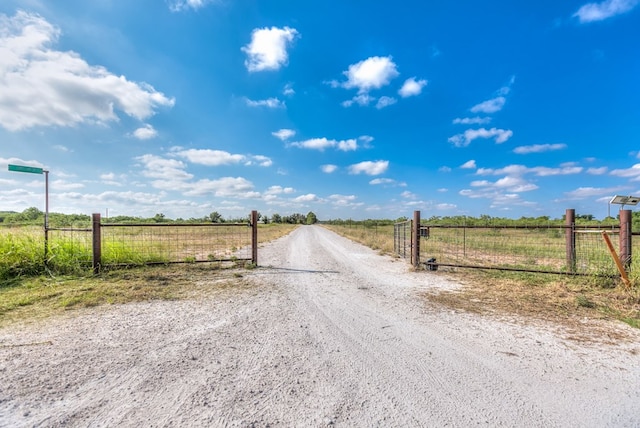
x=35 y=170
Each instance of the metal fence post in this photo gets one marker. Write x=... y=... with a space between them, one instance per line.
x=625 y=238
x=96 y=243
x=415 y=239
x=254 y=237
x=570 y=238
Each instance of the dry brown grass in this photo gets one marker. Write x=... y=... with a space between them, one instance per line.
x=568 y=301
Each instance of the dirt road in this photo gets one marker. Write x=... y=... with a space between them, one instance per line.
x=329 y=334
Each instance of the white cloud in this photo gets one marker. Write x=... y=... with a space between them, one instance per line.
x=238 y=187
x=328 y=169
x=345 y=201
x=387 y=182
x=472 y=120
x=180 y=5
x=592 y=12
x=633 y=173
x=268 y=48
x=288 y=90
x=408 y=195
x=360 y=99
x=278 y=190
x=385 y=101
x=146 y=132
x=269 y=103
x=470 y=164
x=538 y=148
x=61 y=88
x=310 y=197
x=499 y=135
x=347 y=145
x=371 y=73
x=164 y=169
x=284 y=134
x=490 y=106
x=412 y=87
x=210 y=157
x=323 y=143
x=541 y=171
x=590 y=192
x=369 y=167
x=598 y=171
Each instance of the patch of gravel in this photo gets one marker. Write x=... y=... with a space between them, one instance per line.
x=329 y=334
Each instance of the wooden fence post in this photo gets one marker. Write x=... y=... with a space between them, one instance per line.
x=570 y=238
x=415 y=240
x=254 y=237
x=625 y=238
x=96 y=243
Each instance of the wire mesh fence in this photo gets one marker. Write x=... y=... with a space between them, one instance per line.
x=173 y=243
x=402 y=239
x=525 y=248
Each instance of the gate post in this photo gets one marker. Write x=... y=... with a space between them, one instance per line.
x=570 y=238
x=625 y=238
x=254 y=237
x=415 y=240
x=96 y=242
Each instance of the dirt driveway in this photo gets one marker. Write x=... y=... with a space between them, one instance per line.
x=328 y=334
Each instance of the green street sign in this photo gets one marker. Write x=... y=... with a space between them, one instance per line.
x=22 y=168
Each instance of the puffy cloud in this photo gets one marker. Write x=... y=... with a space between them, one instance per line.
x=499 y=135
x=62 y=89
x=284 y=134
x=269 y=103
x=328 y=169
x=164 y=169
x=538 y=148
x=369 y=167
x=238 y=187
x=146 y=132
x=309 y=197
x=385 y=101
x=470 y=164
x=323 y=143
x=268 y=48
x=633 y=173
x=360 y=99
x=490 y=106
x=472 y=121
x=592 y=12
x=210 y=157
x=371 y=73
x=412 y=87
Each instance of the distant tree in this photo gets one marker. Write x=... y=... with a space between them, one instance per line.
x=215 y=217
x=159 y=218
x=265 y=219
x=276 y=218
x=311 y=218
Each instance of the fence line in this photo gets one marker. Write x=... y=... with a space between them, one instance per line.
x=564 y=249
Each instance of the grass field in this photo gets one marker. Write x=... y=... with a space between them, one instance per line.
x=28 y=290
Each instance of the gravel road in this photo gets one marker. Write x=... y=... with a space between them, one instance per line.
x=329 y=334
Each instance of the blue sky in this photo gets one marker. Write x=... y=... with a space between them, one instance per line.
x=359 y=109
